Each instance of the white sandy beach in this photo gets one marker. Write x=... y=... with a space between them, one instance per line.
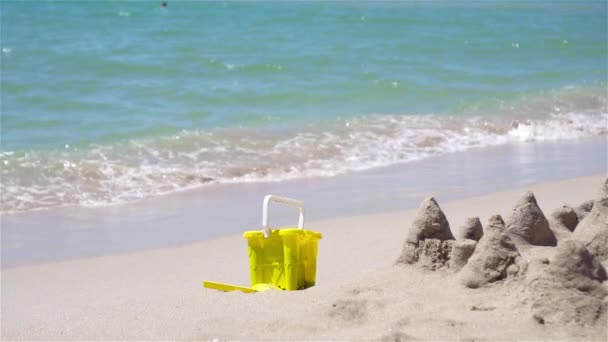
x=453 y=155
x=360 y=294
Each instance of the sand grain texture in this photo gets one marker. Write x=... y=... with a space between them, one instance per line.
x=593 y=229
x=563 y=221
x=569 y=289
x=583 y=209
x=360 y=294
x=462 y=250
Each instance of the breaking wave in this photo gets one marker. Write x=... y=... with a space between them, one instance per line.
x=139 y=168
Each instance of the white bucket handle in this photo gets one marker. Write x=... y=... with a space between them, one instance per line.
x=284 y=200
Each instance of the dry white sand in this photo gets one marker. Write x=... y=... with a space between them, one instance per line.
x=360 y=294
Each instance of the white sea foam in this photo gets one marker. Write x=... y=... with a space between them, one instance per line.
x=136 y=169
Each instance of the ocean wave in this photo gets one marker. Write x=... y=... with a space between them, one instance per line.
x=249 y=68
x=136 y=169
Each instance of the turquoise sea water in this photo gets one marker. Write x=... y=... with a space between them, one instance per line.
x=106 y=102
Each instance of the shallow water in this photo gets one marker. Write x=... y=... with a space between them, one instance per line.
x=111 y=102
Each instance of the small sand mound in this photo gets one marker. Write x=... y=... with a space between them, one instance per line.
x=430 y=223
x=471 y=229
x=566 y=216
x=495 y=257
x=593 y=229
x=573 y=261
x=583 y=210
x=563 y=221
x=528 y=224
x=461 y=252
x=569 y=290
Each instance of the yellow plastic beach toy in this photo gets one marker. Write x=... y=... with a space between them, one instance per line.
x=283 y=259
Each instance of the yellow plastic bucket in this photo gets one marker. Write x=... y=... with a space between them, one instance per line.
x=286 y=258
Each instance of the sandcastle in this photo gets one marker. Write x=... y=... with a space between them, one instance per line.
x=429 y=242
x=528 y=224
x=471 y=229
x=565 y=288
x=494 y=258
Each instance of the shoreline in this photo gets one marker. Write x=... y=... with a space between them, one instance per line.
x=202 y=214
x=448 y=161
x=158 y=293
